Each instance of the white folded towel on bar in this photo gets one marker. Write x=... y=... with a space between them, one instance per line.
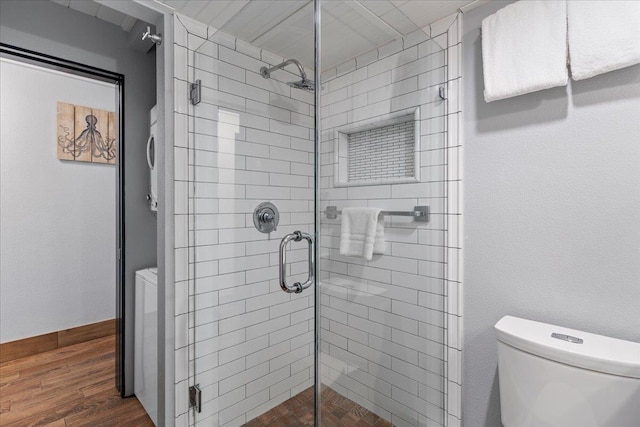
x=524 y=49
x=603 y=36
x=362 y=232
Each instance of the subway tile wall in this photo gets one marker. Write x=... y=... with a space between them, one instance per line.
x=390 y=327
x=247 y=344
x=384 y=337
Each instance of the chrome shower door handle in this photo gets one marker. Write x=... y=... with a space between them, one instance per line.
x=297 y=287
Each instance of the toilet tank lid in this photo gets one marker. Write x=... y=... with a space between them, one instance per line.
x=596 y=352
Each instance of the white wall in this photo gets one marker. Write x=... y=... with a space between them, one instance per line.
x=57 y=217
x=552 y=206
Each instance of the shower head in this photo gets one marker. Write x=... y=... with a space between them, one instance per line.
x=304 y=84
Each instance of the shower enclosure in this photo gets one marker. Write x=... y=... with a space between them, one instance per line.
x=288 y=125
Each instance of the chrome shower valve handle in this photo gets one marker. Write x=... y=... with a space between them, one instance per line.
x=297 y=287
x=266 y=217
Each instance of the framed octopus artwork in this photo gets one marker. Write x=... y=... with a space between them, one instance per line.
x=86 y=134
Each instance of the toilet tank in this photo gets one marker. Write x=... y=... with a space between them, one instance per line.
x=555 y=376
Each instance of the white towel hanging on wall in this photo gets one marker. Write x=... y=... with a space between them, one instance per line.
x=524 y=49
x=603 y=36
x=362 y=232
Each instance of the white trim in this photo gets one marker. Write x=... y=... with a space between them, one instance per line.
x=454 y=273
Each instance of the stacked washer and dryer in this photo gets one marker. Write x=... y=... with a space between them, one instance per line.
x=146 y=304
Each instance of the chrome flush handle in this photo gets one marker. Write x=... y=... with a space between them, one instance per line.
x=297 y=287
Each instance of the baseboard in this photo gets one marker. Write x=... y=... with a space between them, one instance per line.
x=51 y=341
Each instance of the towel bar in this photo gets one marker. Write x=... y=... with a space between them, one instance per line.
x=419 y=213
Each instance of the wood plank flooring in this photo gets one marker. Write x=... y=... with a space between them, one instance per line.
x=51 y=341
x=337 y=411
x=75 y=386
x=69 y=386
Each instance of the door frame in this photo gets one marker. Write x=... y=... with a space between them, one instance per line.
x=162 y=16
x=99 y=74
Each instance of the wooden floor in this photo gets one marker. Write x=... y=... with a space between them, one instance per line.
x=337 y=411
x=69 y=386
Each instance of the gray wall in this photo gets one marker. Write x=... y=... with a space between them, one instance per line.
x=552 y=213
x=47 y=27
x=36 y=230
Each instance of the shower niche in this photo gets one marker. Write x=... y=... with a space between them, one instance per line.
x=381 y=150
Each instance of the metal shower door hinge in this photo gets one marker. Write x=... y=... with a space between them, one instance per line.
x=442 y=92
x=195 y=92
x=195 y=398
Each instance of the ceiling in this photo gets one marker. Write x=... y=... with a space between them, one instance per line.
x=285 y=27
x=92 y=8
x=349 y=28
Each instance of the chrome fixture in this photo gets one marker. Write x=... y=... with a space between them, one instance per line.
x=156 y=38
x=195 y=398
x=567 y=338
x=297 y=287
x=266 y=217
x=195 y=92
x=442 y=92
x=304 y=84
x=419 y=213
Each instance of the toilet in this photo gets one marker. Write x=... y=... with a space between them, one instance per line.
x=555 y=376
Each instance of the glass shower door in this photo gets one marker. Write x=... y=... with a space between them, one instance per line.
x=271 y=171
x=382 y=146
x=251 y=162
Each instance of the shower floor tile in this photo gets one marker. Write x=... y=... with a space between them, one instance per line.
x=337 y=411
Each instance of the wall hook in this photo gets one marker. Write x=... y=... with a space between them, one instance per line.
x=156 y=38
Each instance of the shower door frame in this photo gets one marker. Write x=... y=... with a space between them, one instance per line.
x=317 y=382
x=317 y=385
